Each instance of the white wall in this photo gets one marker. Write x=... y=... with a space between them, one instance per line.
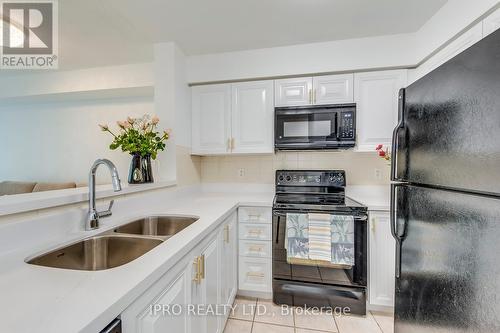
x=57 y=142
x=447 y=23
x=394 y=51
x=90 y=79
x=343 y=55
x=172 y=100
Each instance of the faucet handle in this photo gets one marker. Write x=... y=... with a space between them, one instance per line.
x=107 y=212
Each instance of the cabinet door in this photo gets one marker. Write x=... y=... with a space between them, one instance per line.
x=293 y=92
x=333 y=89
x=229 y=261
x=211 y=119
x=491 y=23
x=376 y=96
x=382 y=260
x=173 y=299
x=207 y=291
x=252 y=117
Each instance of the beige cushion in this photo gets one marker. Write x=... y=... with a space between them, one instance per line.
x=11 y=187
x=41 y=187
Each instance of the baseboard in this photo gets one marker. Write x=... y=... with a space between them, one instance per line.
x=256 y=294
x=379 y=308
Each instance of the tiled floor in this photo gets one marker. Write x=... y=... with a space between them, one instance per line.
x=261 y=316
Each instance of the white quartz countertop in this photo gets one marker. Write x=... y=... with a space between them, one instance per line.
x=41 y=299
x=375 y=197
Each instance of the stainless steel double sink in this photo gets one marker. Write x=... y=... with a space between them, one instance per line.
x=116 y=247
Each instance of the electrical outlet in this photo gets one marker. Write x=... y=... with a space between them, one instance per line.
x=241 y=172
x=378 y=174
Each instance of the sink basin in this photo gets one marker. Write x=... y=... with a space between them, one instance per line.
x=97 y=253
x=157 y=225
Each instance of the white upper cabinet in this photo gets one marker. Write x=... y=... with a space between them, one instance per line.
x=326 y=89
x=491 y=23
x=333 y=89
x=252 y=117
x=233 y=118
x=293 y=92
x=211 y=111
x=376 y=97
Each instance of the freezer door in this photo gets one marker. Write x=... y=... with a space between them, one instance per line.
x=449 y=269
x=449 y=134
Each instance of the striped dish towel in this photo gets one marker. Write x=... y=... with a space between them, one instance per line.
x=320 y=237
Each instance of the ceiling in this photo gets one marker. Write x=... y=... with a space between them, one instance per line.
x=105 y=32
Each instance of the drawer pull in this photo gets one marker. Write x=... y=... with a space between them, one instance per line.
x=255 y=248
x=254 y=216
x=255 y=275
x=255 y=232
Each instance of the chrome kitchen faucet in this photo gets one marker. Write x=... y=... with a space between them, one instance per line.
x=93 y=215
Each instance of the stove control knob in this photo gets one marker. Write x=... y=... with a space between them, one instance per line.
x=281 y=178
x=288 y=178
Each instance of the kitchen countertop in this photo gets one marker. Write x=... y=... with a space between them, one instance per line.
x=41 y=299
x=375 y=197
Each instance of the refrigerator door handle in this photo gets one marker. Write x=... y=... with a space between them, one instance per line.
x=394 y=148
x=394 y=229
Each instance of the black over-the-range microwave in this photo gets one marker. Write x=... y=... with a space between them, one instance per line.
x=315 y=127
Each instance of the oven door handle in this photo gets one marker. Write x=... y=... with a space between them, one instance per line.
x=356 y=217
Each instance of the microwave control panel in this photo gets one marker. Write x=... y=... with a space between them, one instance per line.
x=346 y=126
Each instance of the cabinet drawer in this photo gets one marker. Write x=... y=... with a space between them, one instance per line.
x=260 y=249
x=255 y=231
x=255 y=274
x=255 y=215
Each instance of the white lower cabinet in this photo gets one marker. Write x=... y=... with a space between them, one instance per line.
x=382 y=258
x=255 y=251
x=205 y=277
x=229 y=257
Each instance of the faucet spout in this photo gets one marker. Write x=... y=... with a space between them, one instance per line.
x=93 y=215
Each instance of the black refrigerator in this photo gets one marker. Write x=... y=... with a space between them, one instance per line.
x=445 y=196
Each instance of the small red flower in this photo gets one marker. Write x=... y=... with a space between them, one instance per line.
x=381 y=153
x=379 y=147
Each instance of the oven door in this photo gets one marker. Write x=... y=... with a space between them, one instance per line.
x=319 y=286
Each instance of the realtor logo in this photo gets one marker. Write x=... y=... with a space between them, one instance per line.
x=29 y=35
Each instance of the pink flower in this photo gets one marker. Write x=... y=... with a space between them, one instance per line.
x=130 y=120
x=122 y=124
x=379 y=147
x=155 y=120
x=381 y=153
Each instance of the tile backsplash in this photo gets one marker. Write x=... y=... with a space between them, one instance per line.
x=361 y=168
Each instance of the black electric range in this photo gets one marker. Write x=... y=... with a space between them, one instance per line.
x=313 y=191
